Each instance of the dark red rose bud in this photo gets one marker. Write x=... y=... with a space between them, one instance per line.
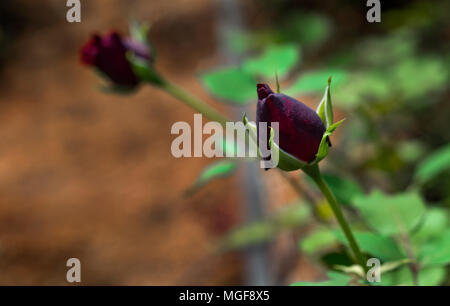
x=300 y=128
x=108 y=54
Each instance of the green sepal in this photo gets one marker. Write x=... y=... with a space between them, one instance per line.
x=325 y=108
x=252 y=131
x=286 y=161
x=143 y=69
x=251 y=127
x=324 y=147
x=334 y=126
x=139 y=31
x=220 y=169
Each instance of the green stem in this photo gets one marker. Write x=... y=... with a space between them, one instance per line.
x=193 y=102
x=314 y=173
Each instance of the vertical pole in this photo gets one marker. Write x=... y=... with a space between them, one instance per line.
x=257 y=271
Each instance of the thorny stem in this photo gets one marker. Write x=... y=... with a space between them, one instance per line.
x=314 y=173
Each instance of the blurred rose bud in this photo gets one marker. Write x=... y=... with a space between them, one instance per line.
x=300 y=128
x=109 y=55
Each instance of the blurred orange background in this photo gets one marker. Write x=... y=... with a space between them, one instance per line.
x=89 y=175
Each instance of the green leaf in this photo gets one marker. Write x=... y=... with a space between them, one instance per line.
x=215 y=170
x=433 y=165
x=436 y=251
x=434 y=223
x=399 y=277
x=336 y=279
x=391 y=214
x=289 y=217
x=312 y=82
x=280 y=59
x=430 y=276
x=248 y=235
x=320 y=240
x=232 y=85
x=344 y=189
x=292 y=216
x=382 y=247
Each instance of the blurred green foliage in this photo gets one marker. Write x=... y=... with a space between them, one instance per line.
x=391 y=214
x=236 y=85
x=344 y=189
x=233 y=85
x=392 y=85
x=318 y=241
x=394 y=77
x=335 y=279
x=215 y=170
x=289 y=217
x=401 y=227
x=275 y=59
x=378 y=245
x=433 y=165
x=310 y=30
x=312 y=82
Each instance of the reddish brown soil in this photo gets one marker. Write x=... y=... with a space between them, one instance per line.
x=89 y=175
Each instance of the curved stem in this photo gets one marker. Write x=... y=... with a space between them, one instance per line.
x=193 y=102
x=314 y=173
